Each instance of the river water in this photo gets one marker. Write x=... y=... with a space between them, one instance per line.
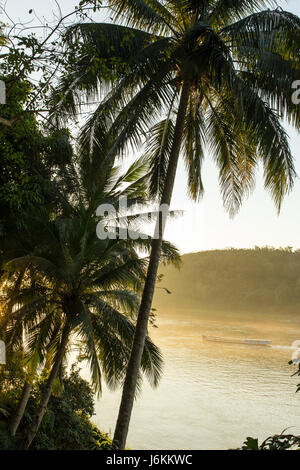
x=214 y=395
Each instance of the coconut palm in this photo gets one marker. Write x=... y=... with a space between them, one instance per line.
x=78 y=286
x=220 y=73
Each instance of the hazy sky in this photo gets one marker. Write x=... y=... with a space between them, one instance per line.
x=206 y=225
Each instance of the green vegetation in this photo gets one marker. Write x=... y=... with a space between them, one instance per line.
x=29 y=156
x=66 y=425
x=66 y=284
x=258 y=280
x=220 y=75
x=178 y=77
x=60 y=283
x=277 y=442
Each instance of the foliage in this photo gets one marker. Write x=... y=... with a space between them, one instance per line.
x=20 y=185
x=31 y=52
x=70 y=275
x=203 y=62
x=30 y=156
x=235 y=280
x=66 y=425
x=67 y=275
x=238 y=62
x=13 y=376
x=277 y=442
x=32 y=146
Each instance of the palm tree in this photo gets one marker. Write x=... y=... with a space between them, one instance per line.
x=220 y=73
x=76 y=285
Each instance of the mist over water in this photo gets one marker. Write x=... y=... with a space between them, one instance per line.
x=214 y=395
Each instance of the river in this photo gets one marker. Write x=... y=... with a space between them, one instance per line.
x=214 y=395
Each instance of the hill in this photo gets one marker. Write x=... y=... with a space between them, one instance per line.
x=233 y=280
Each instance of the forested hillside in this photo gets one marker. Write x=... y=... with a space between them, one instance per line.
x=244 y=279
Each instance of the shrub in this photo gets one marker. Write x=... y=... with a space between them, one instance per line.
x=66 y=424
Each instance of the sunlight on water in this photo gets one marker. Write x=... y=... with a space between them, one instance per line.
x=214 y=395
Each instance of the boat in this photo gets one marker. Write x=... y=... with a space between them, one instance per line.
x=248 y=342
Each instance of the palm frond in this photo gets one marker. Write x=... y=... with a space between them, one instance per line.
x=152 y=362
x=193 y=140
x=150 y=15
x=86 y=332
x=226 y=11
x=157 y=152
x=224 y=148
x=271 y=141
x=262 y=25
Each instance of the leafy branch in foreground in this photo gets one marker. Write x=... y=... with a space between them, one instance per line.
x=277 y=442
x=33 y=52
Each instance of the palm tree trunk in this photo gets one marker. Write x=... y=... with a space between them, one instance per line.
x=141 y=329
x=33 y=428
x=18 y=415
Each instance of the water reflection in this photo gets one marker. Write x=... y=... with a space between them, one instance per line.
x=214 y=395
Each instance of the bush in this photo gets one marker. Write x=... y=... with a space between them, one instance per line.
x=66 y=424
x=277 y=442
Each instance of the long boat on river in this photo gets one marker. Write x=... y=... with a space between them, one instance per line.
x=248 y=342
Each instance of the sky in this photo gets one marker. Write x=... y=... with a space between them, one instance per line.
x=206 y=225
